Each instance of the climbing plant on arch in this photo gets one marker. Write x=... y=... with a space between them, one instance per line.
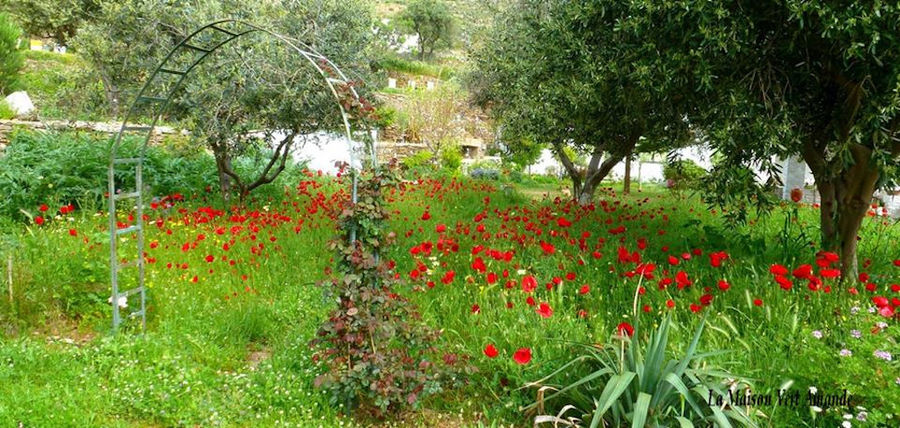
x=152 y=101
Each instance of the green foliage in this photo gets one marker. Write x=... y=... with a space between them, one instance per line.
x=683 y=173
x=433 y=22
x=11 y=58
x=634 y=383
x=415 y=68
x=419 y=160
x=55 y=19
x=70 y=168
x=451 y=157
x=63 y=86
x=6 y=112
x=555 y=68
x=375 y=351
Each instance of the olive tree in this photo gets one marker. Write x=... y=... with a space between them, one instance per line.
x=433 y=23
x=777 y=78
x=561 y=73
x=255 y=96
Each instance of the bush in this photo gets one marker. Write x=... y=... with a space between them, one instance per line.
x=63 y=86
x=417 y=68
x=682 y=174
x=6 y=112
x=11 y=59
x=63 y=168
x=451 y=157
x=419 y=160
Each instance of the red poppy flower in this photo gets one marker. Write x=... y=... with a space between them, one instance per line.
x=547 y=247
x=830 y=273
x=757 y=302
x=670 y=303
x=73 y=232
x=695 y=307
x=803 y=271
x=490 y=351
x=426 y=215
x=724 y=285
x=529 y=283
x=43 y=208
x=440 y=228
x=210 y=258
x=880 y=301
x=38 y=220
x=584 y=289
x=783 y=282
x=476 y=309
x=544 y=310
x=522 y=356
x=625 y=329
x=777 y=269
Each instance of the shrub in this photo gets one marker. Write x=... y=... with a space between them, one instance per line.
x=62 y=168
x=11 y=59
x=682 y=174
x=63 y=86
x=419 y=160
x=634 y=383
x=376 y=352
x=6 y=111
x=451 y=157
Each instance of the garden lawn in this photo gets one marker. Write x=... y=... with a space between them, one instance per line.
x=234 y=303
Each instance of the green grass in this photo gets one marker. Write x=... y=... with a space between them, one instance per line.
x=63 y=86
x=416 y=68
x=234 y=351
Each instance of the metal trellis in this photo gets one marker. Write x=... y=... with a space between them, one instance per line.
x=195 y=48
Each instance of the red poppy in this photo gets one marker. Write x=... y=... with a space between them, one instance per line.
x=544 y=310
x=440 y=228
x=625 y=329
x=522 y=356
x=757 y=302
x=584 y=289
x=529 y=283
x=830 y=273
x=490 y=351
x=210 y=258
x=73 y=232
x=724 y=285
x=43 y=208
x=670 y=303
x=426 y=215
x=777 y=269
x=38 y=220
x=476 y=309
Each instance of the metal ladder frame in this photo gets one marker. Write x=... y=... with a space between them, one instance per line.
x=237 y=28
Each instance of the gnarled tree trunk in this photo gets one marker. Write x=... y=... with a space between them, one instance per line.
x=583 y=188
x=846 y=192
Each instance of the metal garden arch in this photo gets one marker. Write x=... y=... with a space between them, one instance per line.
x=175 y=67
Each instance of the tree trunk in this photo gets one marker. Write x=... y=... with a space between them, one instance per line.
x=626 y=184
x=111 y=91
x=845 y=201
x=223 y=163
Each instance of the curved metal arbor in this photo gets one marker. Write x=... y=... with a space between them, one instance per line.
x=167 y=78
